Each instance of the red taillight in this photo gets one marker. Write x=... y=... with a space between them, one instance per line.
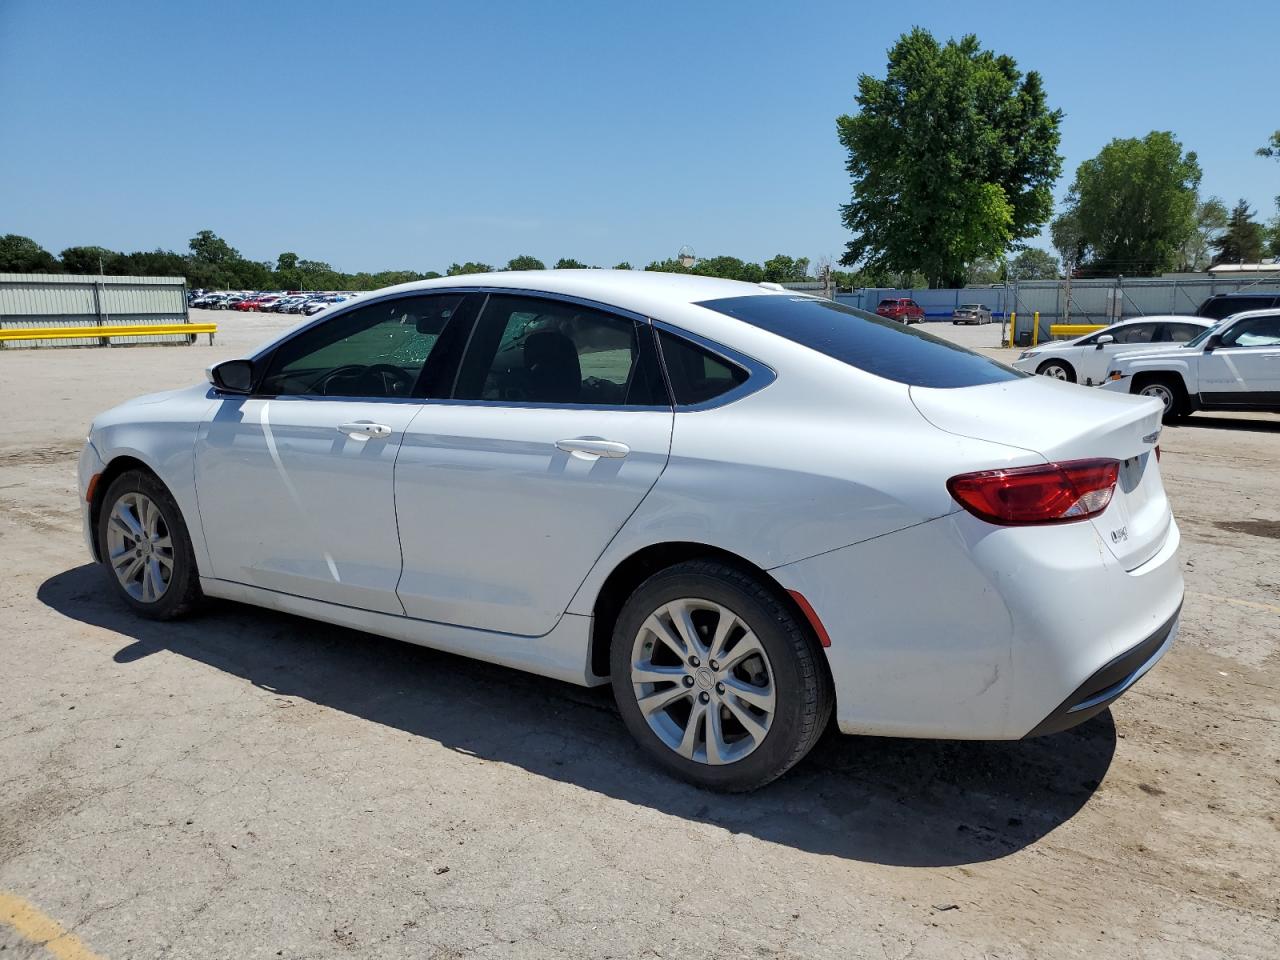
x=1051 y=493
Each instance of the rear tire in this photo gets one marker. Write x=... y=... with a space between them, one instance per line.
x=1057 y=370
x=678 y=645
x=145 y=548
x=1169 y=390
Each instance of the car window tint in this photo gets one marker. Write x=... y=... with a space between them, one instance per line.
x=1255 y=332
x=697 y=375
x=374 y=351
x=1180 y=332
x=530 y=350
x=1135 y=333
x=863 y=340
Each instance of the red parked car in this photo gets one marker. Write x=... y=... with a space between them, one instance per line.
x=904 y=310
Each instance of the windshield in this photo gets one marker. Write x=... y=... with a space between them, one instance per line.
x=863 y=340
x=1205 y=334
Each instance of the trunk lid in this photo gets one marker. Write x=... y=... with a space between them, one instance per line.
x=1063 y=421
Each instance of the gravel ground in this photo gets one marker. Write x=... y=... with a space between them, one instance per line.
x=247 y=784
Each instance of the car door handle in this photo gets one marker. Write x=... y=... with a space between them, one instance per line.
x=363 y=428
x=589 y=448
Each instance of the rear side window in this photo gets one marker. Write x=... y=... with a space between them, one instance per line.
x=865 y=341
x=530 y=350
x=697 y=375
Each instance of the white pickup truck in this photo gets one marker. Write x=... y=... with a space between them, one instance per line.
x=1234 y=365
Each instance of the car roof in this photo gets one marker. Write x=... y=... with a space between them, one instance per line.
x=638 y=290
x=1166 y=318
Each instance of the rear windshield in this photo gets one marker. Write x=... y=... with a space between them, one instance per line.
x=865 y=341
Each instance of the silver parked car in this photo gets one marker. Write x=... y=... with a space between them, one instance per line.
x=971 y=313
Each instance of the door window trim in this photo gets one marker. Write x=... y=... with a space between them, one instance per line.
x=609 y=310
x=759 y=374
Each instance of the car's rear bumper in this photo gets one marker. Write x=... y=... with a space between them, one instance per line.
x=958 y=629
x=1109 y=682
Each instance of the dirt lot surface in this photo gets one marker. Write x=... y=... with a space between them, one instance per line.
x=246 y=784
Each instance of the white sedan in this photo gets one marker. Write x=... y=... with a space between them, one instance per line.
x=708 y=493
x=1086 y=359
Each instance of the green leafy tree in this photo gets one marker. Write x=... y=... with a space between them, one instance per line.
x=730 y=268
x=525 y=262
x=568 y=263
x=1211 y=220
x=784 y=269
x=1033 y=263
x=208 y=247
x=460 y=269
x=1135 y=205
x=90 y=260
x=1272 y=148
x=624 y=265
x=150 y=263
x=984 y=272
x=1273 y=232
x=670 y=265
x=1243 y=240
x=19 y=254
x=1068 y=239
x=953 y=157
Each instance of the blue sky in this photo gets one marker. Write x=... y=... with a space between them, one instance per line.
x=409 y=135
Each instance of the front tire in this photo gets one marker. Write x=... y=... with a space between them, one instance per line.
x=1057 y=370
x=716 y=678
x=145 y=548
x=1169 y=391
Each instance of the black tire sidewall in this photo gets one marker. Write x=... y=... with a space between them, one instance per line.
x=184 y=585
x=775 y=628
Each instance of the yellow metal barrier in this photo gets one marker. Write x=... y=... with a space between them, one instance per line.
x=1013 y=326
x=124 y=330
x=1065 y=331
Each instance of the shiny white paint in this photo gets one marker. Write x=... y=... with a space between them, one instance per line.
x=1240 y=370
x=497 y=525
x=1091 y=361
x=831 y=479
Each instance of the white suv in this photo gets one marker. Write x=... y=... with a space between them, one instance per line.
x=1234 y=365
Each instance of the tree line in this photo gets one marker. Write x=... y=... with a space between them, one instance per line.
x=953 y=156
x=213 y=264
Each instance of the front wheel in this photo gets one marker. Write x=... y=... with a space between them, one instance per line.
x=716 y=678
x=1057 y=370
x=145 y=548
x=1170 y=393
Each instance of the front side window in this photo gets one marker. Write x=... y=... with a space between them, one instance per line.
x=1254 y=332
x=530 y=350
x=863 y=340
x=375 y=351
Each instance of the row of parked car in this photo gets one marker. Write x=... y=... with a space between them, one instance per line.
x=1226 y=358
x=905 y=310
x=300 y=303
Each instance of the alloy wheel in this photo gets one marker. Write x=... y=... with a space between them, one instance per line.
x=1161 y=392
x=703 y=681
x=1056 y=372
x=139 y=547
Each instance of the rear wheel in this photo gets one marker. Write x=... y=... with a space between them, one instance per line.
x=1057 y=370
x=1169 y=391
x=145 y=548
x=715 y=677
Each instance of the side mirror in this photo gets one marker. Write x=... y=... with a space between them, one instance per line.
x=232 y=376
x=1213 y=343
x=1103 y=340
